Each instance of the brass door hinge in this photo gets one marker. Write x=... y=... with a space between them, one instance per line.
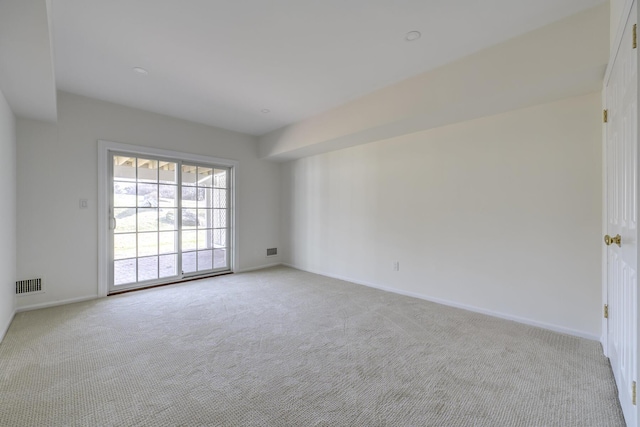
x=634 y=42
x=606 y=311
x=605 y=116
x=633 y=393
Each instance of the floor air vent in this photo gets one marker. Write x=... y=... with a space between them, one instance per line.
x=272 y=251
x=28 y=286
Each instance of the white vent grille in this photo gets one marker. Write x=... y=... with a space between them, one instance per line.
x=272 y=251
x=28 y=286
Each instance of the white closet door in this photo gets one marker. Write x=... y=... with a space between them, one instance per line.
x=621 y=150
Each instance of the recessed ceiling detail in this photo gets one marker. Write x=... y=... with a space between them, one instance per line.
x=27 y=70
x=412 y=35
x=141 y=71
x=214 y=61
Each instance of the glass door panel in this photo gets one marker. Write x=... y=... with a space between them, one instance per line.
x=168 y=219
x=144 y=220
x=204 y=216
x=167 y=224
x=221 y=217
x=125 y=247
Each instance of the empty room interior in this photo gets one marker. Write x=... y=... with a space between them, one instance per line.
x=329 y=213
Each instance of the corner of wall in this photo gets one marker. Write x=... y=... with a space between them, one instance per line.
x=8 y=214
x=5 y=326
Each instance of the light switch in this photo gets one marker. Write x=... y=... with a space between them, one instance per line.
x=84 y=203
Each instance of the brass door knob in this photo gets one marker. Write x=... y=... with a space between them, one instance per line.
x=608 y=240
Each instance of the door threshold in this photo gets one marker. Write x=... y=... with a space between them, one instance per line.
x=189 y=279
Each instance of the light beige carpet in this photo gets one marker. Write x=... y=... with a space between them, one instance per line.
x=280 y=347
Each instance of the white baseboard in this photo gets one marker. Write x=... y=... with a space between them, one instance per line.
x=5 y=328
x=87 y=298
x=55 y=303
x=261 y=267
x=524 y=320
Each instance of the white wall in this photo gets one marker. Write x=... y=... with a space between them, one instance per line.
x=7 y=215
x=501 y=214
x=57 y=166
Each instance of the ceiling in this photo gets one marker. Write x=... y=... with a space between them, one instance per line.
x=224 y=62
x=27 y=78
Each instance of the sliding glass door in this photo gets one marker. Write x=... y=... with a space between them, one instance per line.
x=169 y=220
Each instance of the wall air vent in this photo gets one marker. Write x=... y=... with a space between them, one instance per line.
x=29 y=286
x=272 y=251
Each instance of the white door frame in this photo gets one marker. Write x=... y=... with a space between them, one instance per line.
x=604 y=337
x=104 y=147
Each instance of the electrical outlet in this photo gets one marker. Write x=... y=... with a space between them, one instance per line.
x=396 y=266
